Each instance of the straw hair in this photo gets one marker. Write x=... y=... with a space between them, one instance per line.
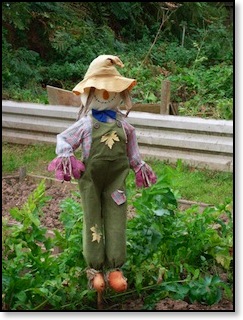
x=103 y=75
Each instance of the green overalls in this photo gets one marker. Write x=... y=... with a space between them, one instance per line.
x=102 y=188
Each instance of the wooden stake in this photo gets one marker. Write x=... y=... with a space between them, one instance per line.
x=99 y=301
x=165 y=97
x=22 y=173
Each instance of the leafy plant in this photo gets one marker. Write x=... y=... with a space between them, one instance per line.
x=173 y=246
x=170 y=253
x=33 y=278
x=205 y=290
x=200 y=90
x=21 y=68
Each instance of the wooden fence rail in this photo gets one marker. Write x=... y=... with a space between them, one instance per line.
x=197 y=142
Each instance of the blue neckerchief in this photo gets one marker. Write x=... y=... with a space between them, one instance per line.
x=103 y=115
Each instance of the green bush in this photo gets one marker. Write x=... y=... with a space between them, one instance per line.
x=204 y=89
x=171 y=54
x=20 y=68
x=179 y=250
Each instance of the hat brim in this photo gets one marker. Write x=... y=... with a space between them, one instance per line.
x=108 y=83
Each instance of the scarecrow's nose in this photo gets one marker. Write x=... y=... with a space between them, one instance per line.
x=106 y=95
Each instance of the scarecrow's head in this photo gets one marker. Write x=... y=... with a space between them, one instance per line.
x=103 y=87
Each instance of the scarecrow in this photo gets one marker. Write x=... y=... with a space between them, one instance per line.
x=109 y=150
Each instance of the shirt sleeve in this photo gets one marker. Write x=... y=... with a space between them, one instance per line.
x=133 y=153
x=77 y=134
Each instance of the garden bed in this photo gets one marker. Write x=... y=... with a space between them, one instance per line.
x=15 y=191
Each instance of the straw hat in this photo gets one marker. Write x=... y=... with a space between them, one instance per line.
x=103 y=75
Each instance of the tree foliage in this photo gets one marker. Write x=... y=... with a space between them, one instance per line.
x=54 y=42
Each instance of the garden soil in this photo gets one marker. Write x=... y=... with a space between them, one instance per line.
x=15 y=193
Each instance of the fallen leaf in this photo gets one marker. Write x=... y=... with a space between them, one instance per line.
x=96 y=234
x=110 y=139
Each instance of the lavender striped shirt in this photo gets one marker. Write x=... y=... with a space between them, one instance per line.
x=80 y=135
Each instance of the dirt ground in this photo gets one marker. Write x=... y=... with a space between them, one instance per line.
x=15 y=193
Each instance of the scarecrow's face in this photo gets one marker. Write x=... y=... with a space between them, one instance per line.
x=102 y=100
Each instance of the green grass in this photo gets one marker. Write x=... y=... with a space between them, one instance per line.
x=193 y=184
x=34 y=157
x=200 y=185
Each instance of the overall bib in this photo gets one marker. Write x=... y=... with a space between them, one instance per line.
x=102 y=189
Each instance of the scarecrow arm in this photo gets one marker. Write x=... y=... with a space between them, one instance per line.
x=65 y=164
x=144 y=175
x=65 y=167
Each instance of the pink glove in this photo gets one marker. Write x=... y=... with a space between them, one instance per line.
x=65 y=167
x=57 y=165
x=77 y=167
x=145 y=176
